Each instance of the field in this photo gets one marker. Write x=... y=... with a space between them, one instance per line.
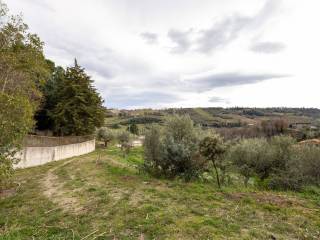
x=103 y=195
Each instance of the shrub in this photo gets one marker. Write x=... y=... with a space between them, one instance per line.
x=278 y=163
x=16 y=119
x=297 y=165
x=251 y=157
x=174 y=151
x=307 y=160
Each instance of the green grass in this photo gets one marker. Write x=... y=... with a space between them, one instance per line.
x=118 y=202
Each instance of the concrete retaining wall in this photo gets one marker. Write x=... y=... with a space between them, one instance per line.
x=34 y=156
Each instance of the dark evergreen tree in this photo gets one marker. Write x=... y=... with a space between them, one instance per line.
x=50 y=99
x=133 y=128
x=78 y=110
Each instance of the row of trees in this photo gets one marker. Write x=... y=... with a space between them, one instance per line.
x=123 y=137
x=33 y=92
x=184 y=150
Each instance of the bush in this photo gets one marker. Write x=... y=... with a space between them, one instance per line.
x=278 y=163
x=250 y=158
x=307 y=160
x=299 y=166
x=174 y=151
x=16 y=119
x=261 y=158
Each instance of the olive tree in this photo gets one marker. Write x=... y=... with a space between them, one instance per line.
x=251 y=158
x=106 y=135
x=152 y=149
x=124 y=139
x=174 y=150
x=213 y=148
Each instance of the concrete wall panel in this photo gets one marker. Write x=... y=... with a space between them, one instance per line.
x=35 y=156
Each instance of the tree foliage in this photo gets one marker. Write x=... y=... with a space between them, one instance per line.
x=213 y=148
x=50 y=91
x=174 y=151
x=16 y=119
x=78 y=109
x=23 y=70
x=106 y=135
x=124 y=139
x=152 y=148
x=23 y=67
x=133 y=128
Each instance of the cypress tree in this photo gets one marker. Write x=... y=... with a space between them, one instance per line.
x=79 y=109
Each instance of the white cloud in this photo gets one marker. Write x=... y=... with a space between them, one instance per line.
x=127 y=46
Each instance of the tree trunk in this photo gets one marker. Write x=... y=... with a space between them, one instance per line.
x=217 y=175
x=4 y=84
x=246 y=180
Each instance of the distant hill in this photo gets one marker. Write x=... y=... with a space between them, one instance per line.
x=217 y=117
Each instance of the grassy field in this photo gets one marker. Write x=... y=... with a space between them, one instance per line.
x=102 y=195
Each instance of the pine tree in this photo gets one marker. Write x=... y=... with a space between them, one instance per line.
x=79 y=109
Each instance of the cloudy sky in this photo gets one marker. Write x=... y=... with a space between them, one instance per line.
x=186 y=53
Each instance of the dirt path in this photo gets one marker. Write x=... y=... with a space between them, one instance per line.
x=54 y=191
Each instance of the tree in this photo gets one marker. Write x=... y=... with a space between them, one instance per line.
x=16 y=119
x=152 y=148
x=23 y=67
x=50 y=93
x=79 y=107
x=124 y=139
x=106 y=135
x=251 y=157
x=212 y=148
x=23 y=70
x=174 y=151
x=133 y=128
x=262 y=158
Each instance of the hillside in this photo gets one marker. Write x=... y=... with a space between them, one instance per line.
x=106 y=197
x=300 y=120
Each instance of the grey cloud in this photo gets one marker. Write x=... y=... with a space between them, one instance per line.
x=181 y=39
x=268 y=47
x=229 y=29
x=209 y=82
x=146 y=98
x=218 y=100
x=222 y=33
x=43 y=4
x=150 y=38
